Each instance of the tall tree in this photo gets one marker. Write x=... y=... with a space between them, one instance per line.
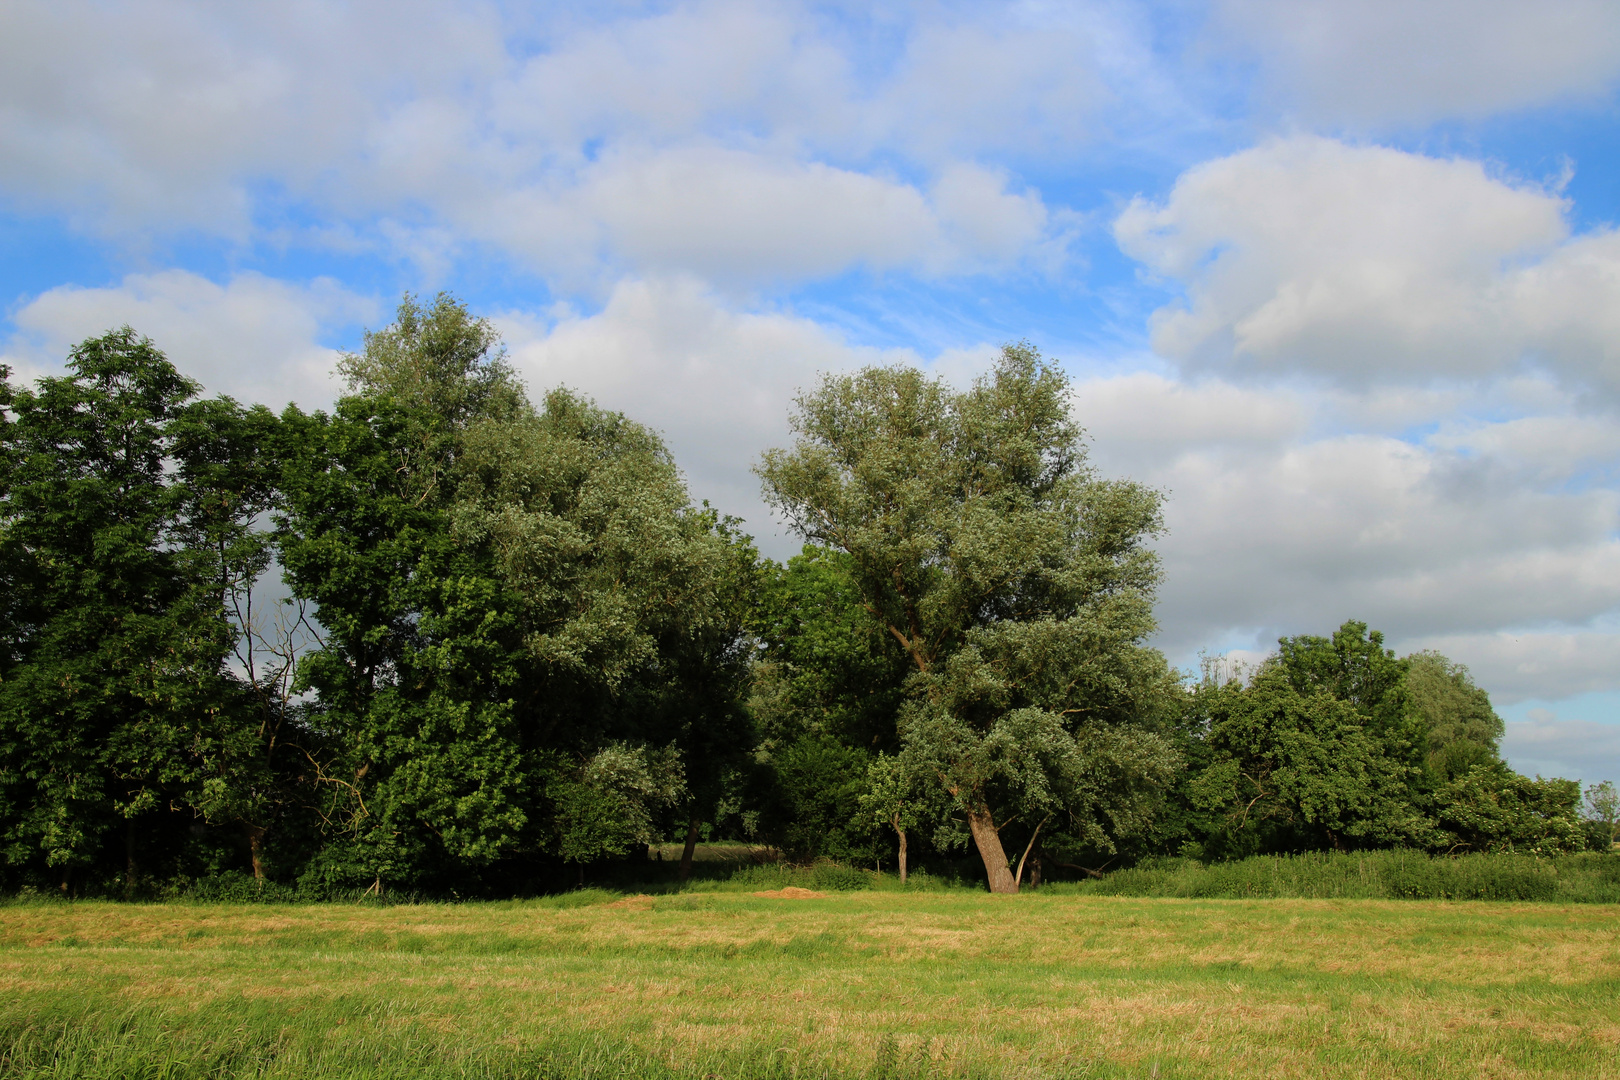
x=1017 y=584
x=112 y=682
x=506 y=594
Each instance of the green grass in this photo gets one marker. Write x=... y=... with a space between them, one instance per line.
x=1589 y=878
x=892 y=983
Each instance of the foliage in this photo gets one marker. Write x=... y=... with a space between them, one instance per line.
x=1493 y=808
x=819 y=783
x=126 y=523
x=509 y=594
x=826 y=666
x=1289 y=770
x=1602 y=812
x=1016 y=583
x=1463 y=729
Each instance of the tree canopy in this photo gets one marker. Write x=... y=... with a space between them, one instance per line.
x=1016 y=583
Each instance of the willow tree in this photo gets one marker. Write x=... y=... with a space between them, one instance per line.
x=1016 y=582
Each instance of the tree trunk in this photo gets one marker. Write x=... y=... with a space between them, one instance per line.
x=129 y=858
x=988 y=841
x=902 y=833
x=255 y=839
x=1018 y=878
x=686 y=852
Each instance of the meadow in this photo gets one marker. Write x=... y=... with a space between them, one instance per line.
x=887 y=983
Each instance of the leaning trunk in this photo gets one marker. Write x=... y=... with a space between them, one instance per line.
x=686 y=852
x=902 y=833
x=988 y=841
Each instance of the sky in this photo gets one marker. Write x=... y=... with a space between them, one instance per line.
x=1342 y=279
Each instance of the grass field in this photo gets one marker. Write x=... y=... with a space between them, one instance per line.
x=852 y=984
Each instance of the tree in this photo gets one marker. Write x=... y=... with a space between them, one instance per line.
x=892 y=800
x=1354 y=667
x=1602 y=811
x=1462 y=728
x=609 y=803
x=1016 y=584
x=1493 y=808
x=1286 y=770
x=825 y=666
x=506 y=594
x=112 y=689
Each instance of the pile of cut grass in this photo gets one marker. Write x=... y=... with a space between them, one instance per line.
x=870 y=983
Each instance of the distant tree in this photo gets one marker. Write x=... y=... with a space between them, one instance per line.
x=893 y=799
x=1462 y=728
x=1286 y=770
x=1602 y=812
x=1016 y=583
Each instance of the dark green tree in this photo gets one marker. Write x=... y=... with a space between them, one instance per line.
x=1285 y=770
x=1354 y=667
x=113 y=693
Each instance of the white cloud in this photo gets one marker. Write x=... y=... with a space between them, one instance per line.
x=1375 y=63
x=739 y=141
x=717 y=382
x=1366 y=263
x=1281 y=522
x=736 y=217
x=255 y=338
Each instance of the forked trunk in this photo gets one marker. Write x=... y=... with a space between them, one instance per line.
x=988 y=841
x=686 y=852
x=902 y=833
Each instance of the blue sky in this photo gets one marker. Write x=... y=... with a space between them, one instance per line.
x=1341 y=278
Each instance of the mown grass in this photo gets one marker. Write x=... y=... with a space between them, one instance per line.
x=872 y=983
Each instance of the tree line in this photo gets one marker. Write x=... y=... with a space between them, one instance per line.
x=449 y=638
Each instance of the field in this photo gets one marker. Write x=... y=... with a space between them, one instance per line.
x=894 y=984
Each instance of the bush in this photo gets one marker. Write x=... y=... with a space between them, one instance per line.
x=235 y=887
x=1372 y=875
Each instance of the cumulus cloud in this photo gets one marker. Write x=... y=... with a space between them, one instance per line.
x=741 y=141
x=1377 y=63
x=737 y=217
x=1281 y=522
x=255 y=338
x=1364 y=263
